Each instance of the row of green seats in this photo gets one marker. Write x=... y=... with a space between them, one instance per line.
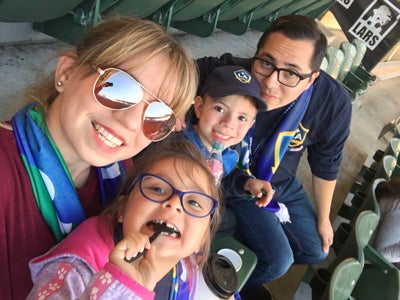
x=345 y=65
x=68 y=19
x=357 y=270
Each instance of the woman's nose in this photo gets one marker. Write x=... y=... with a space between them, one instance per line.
x=131 y=118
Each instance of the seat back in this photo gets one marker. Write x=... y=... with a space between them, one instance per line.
x=335 y=59
x=343 y=280
x=361 y=49
x=360 y=234
x=294 y=7
x=324 y=64
x=386 y=166
x=266 y=13
x=190 y=9
x=268 y=8
x=380 y=275
x=321 y=9
x=371 y=202
x=231 y=10
x=34 y=10
x=198 y=17
x=138 y=9
x=315 y=8
x=235 y=16
x=397 y=131
x=393 y=148
x=350 y=52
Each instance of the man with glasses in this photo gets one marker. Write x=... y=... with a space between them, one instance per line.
x=307 y=110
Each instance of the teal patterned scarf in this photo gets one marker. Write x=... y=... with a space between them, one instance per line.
x=51 y=181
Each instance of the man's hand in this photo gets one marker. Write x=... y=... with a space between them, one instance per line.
x=326 y=231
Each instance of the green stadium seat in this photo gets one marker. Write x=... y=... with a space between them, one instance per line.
x=338 y=280
x=335 y=59
x=316 y=9
x=357 y=68
x=339 y=284
x=235 y=15
x=70 y=27
x=34 y=10
x=348 y=78
x=266 y=13
x=361 y=232
x=320 y=10
x=198 y=17
x=379 y=279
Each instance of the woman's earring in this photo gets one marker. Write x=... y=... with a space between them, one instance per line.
x=120 y=218
x=59 y=83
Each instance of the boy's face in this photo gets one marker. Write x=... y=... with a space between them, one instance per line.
x=225 y=119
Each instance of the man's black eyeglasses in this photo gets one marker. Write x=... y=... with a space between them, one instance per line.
x=285 y=76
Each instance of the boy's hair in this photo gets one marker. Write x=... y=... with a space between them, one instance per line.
x=298 y=27
x=120 y=39
x=180 y=150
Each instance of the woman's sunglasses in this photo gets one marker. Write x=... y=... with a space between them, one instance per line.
x=117 y=90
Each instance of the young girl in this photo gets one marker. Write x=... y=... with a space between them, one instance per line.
x=171 y=189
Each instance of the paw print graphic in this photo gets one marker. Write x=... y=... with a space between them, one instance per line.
x=54 y=286
x=43 y=295
x=61 y=273
x=93 y=293
x=106 y=278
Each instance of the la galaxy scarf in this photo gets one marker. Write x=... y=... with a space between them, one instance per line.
x=51 y=181
x=274 y=148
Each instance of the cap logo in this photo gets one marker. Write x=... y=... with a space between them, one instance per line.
x=242 y=76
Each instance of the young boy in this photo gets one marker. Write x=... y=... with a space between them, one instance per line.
x=224 y=110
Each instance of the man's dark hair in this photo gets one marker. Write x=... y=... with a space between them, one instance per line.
x=299 y=27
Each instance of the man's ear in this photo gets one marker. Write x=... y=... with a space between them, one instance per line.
x=198 y=106
x=64 y=69
x=312 y=78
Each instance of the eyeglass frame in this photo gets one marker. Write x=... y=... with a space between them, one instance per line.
x=278 y=70
x=175 y=191
x=102 y=71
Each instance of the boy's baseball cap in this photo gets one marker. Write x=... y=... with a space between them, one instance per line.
x=233 y=80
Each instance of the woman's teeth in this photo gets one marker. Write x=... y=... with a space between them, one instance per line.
x=106 y=137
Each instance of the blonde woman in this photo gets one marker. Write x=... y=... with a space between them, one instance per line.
x=63 y=156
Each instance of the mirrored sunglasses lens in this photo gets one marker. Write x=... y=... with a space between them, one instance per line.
x=158 y=121
x=117 y=90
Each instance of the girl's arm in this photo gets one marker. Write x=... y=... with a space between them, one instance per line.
x=71 y=278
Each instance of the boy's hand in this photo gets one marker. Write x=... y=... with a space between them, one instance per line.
x=260 y=189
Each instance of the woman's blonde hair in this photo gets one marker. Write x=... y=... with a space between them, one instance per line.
x=181 y=151
x=119 y=39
